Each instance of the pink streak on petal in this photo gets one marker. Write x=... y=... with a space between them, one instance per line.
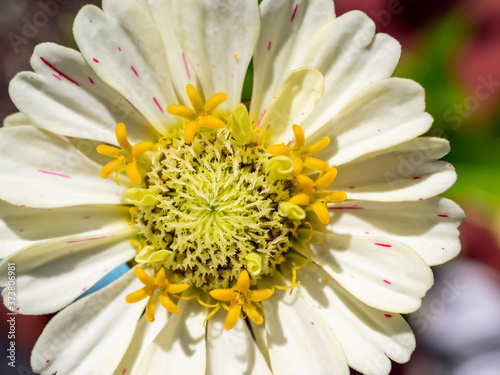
x=88 y=239
x=387 y=282
x=91 y=80
x=58 y=71
x=158 y=104
x=186 y=66
x=443 y=216
x=383 y=244
x=53 y=173
x=59 y=78
x=95 y=60
x=269 y=46
x=135 y=71
x=294 y=12
x=261 y=117
x=346 y=208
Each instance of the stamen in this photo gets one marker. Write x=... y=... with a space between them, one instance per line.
x=201 y=115
x=181 y=111
x=153 y=285
x=305 y=183
x=316 y=164
x=214 y=102
x=327 y=179
x=318 y=146
x=302 y=199
x=300 y=138
x=194 y=98
x=126 y=157
x=121 y=137
x=241 y=298
x=336 y=196
x=279 y=150
x=321 y=212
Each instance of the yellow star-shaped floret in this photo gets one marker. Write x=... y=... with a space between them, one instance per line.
x=241 y=297
x=126 y=157
x=301 y=158
x=201 y=114
x=156 y=288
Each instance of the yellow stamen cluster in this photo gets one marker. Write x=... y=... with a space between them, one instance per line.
x=201 y=114
x=157 y=289
x=126 y=157
x=242 y=298
x=301 y=158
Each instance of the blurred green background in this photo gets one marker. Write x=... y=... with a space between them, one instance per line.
x=452 y=48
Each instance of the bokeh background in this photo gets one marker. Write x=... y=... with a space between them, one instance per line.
x=452 y=47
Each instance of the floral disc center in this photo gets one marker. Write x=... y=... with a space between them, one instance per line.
x=215 y=211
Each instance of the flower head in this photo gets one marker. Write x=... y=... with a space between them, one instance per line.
x=310 y=212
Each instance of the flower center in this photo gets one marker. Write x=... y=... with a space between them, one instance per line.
x=215 y=211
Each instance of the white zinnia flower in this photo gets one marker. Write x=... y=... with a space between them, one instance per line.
x=219 y=204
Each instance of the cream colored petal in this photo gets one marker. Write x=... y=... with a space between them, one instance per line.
x=65 y=96
x=287 y=29
x=124 y=47
x=218 y=38
x=292 y=104
x=40 y=169
x=91 y=335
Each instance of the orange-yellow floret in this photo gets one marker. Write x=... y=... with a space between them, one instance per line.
x=301 y=158
x=200 y=116
x=157 y=289
x=242 y=298
x=126 y=157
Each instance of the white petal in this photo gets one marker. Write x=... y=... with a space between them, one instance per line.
x=381 y=272
x=144 y=335
x=181 y=70
x=40 y=169
x=429 y=226
x=85 y=146
x=406 y=172
x=218 y=38
x=124 y=47
x=350 y=56
x=380 y=115
x=299 y=340
x=234 y=351
x=180 y=345
x=367 y=335
x=16 y=119
x=90 y=336
x=65 y=96
x=51 y=274
x=23 y=226
x=286 y=32
x=292 y=104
